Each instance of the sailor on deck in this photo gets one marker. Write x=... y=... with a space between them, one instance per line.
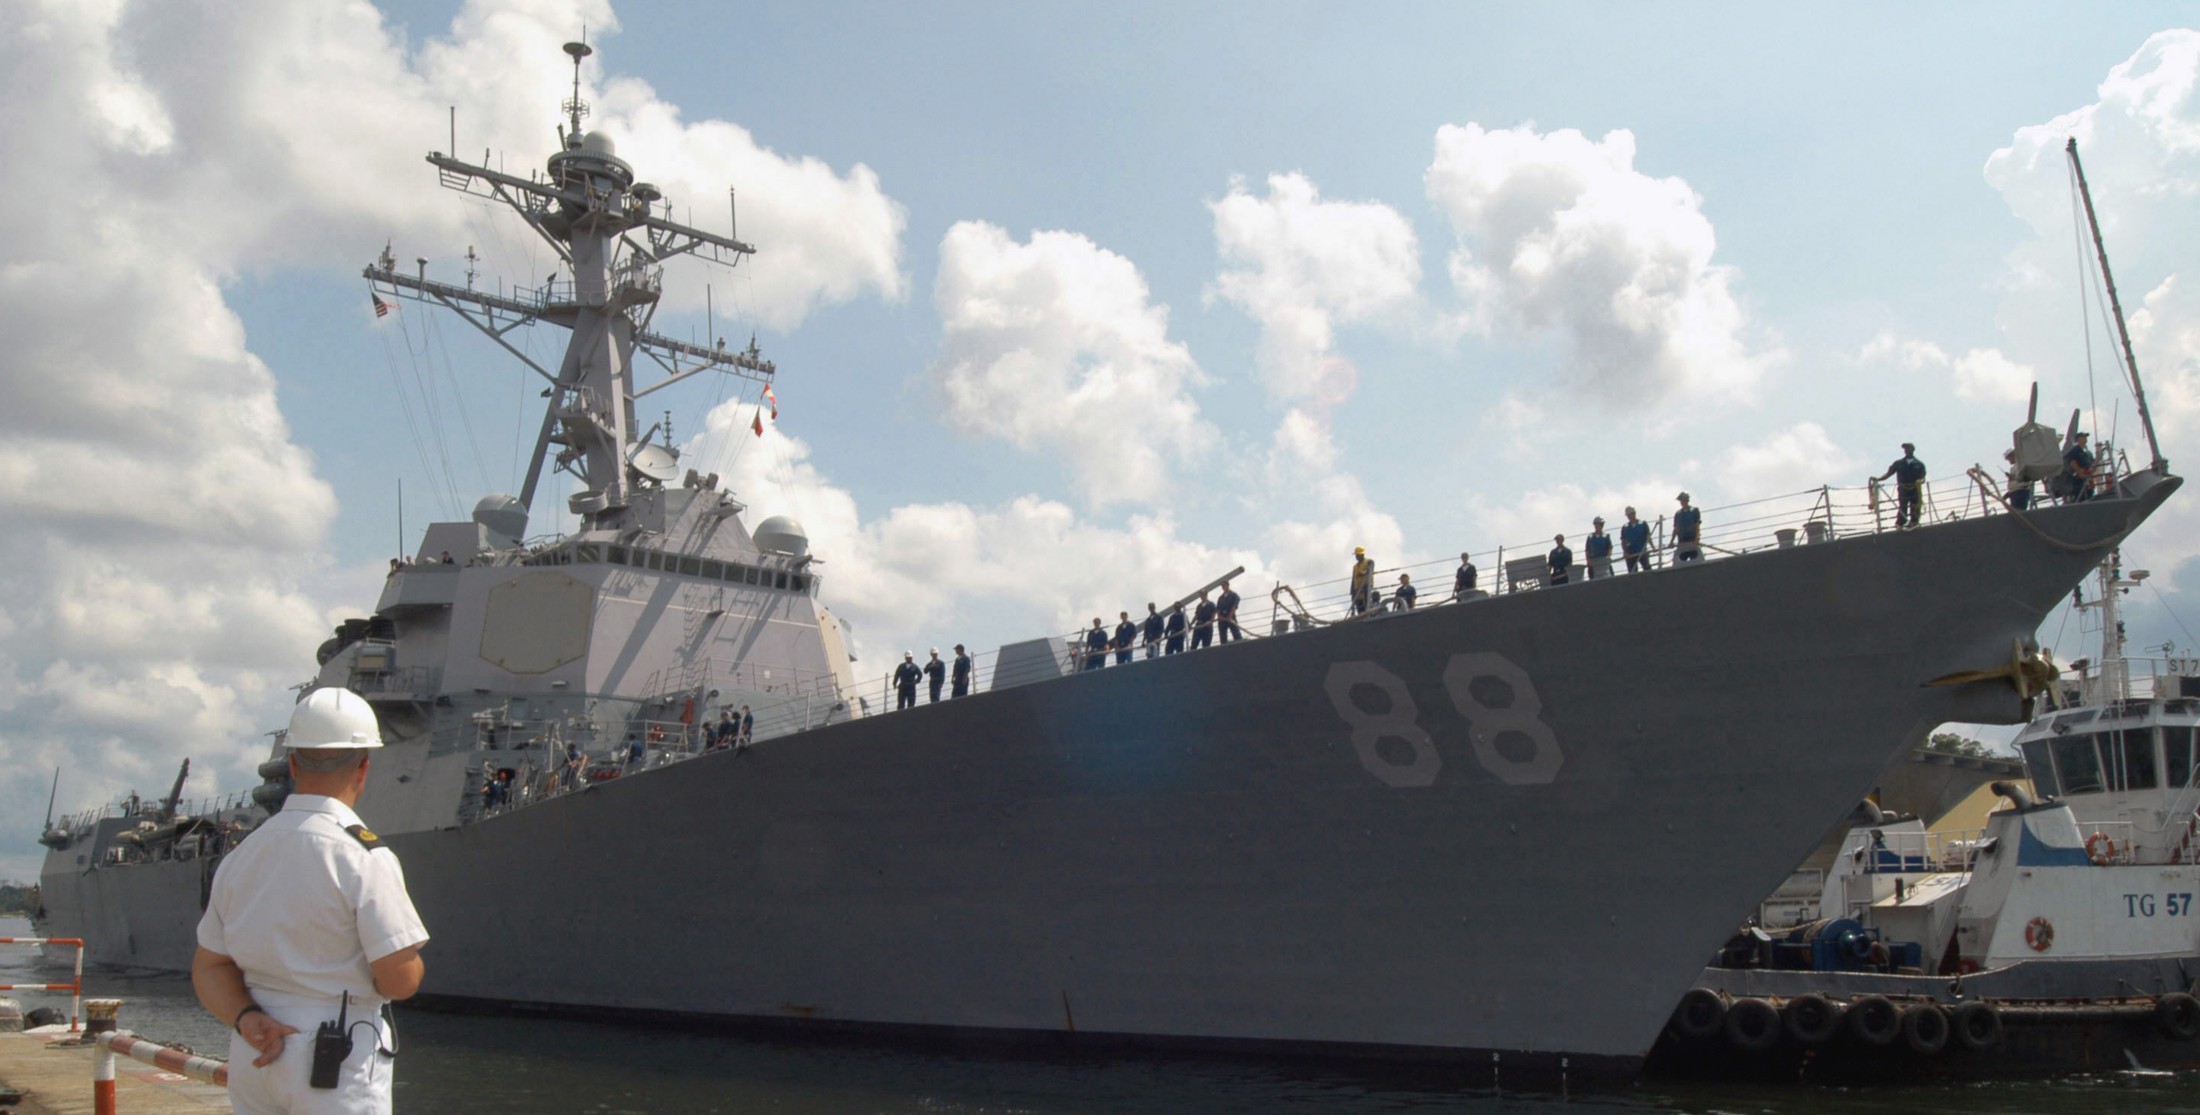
x=1363 y=580
x=2076 y=481
x=309 y=921
x=1596 y=551
x=1175 y=629
x=1560 y=563
x=1634 y=543
x=1203 y=623
x=906 y=677
x=1096 y=645
x=935 y=672
x=1909 y=486
x=961 y=687
x=1226 y=606
x=1151 y=630
x=1126 y=633
x=1687 y=531
x=1463 y=582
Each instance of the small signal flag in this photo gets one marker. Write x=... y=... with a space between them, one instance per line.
x=758 y=425
x=773 y=399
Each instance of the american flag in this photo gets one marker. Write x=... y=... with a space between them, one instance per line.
x=381 y=308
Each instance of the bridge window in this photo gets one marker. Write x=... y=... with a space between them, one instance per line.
x=2041 y=763
x=2077 y=766
x=714 y=570
x=618 y=555
x=2177 y=758
x=2129 y=755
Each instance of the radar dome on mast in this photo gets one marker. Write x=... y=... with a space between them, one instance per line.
x=502 y=515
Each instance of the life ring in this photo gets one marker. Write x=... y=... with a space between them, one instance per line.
x=2039 y=933
x=2100 y=848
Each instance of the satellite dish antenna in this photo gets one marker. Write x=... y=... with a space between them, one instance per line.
x=655 y=462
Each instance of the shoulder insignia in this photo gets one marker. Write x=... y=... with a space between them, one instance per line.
x=364 y=835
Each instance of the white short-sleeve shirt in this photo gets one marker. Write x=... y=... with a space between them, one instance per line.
x=305 y=908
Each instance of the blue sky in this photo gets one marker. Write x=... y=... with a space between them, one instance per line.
x=1270 y=273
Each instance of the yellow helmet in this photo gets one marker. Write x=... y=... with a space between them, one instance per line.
x=1359 y=551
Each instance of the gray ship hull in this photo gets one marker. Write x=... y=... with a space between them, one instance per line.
x=1212 y=849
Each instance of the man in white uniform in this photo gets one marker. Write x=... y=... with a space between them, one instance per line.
x=307 y=910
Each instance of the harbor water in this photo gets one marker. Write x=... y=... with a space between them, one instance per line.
x=453 y=1064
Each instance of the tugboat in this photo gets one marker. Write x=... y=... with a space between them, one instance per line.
x=1338 y=839
x=2060 y=938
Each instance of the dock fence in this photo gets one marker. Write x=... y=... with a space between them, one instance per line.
x=75 y=988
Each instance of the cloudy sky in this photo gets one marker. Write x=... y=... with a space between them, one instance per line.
x=1075 y=307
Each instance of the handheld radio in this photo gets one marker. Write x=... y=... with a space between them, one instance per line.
x=331 y=1046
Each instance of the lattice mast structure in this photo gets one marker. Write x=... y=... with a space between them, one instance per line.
x=606 y=228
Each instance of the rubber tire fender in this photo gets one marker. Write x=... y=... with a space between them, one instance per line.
x=1925 y=1028
x=1701 y=1014
x=1874 y=1019
x=2178 y=1015
x=1811 y=1019
x=1975 y=1025
x=1753 y=1025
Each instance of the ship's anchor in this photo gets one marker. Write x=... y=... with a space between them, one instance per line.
x=2029 y=674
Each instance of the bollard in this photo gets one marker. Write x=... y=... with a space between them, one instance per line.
x=99 y=1018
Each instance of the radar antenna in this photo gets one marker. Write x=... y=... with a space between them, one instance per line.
x=576 y=107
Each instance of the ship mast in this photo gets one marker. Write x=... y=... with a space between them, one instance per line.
x=604 y=226
x=2123 y=334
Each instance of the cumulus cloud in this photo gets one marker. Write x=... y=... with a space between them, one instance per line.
x=165 y=550
x=1302 y=266
x=1054 y=343
x=1559 y=233
x=1980 y=375
x=1796 y=459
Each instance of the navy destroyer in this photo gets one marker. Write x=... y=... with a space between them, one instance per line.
x=1503 y=829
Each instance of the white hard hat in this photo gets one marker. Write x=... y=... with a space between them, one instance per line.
x=333 y=717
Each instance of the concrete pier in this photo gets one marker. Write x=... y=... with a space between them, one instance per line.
x=55 y=1076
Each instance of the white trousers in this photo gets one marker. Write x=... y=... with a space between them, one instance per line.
x=362 y=1088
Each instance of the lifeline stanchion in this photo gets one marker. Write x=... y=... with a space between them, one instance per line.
x=99 y=1026
x=75 y=989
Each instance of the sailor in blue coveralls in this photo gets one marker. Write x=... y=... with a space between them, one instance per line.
x=1560 y=563
x=1126 y=633
x=1226 y=607
x=1203 y=623
x=962 y=673
x=1634 y=543
x=308 y=922
x=1096 y=645
x=2077 y=476
x=1175 y=629
x=1687 y=527
x=1463 y=583
x=1152 y=630
x=1909 y=486
x=1596 y=552
x=906 y=677
x=935 y=672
